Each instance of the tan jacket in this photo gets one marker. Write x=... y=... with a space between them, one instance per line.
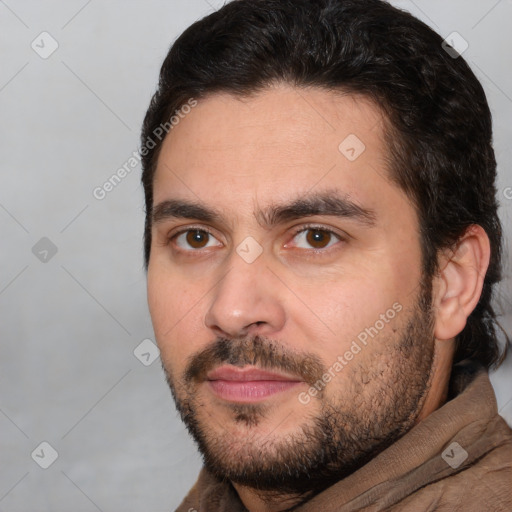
x=459 y=458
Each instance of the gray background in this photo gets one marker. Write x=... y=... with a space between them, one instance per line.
x=69 y=325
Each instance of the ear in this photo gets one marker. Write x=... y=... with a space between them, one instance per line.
x=459 y=283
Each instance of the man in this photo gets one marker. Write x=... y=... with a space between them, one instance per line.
x=322 y=242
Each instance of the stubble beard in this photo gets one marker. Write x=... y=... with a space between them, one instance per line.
x=383 y=403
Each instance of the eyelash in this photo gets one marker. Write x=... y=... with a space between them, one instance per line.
x=303 y=228
x=314 y=227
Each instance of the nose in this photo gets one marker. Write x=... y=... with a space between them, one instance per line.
x=246 y=301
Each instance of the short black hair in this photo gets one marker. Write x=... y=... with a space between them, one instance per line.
x=440 y=128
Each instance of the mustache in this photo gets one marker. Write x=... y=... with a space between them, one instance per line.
x=257 y=351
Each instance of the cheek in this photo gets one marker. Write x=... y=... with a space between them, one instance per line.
x=159 y=299
x=174 y=310
x=347 y=308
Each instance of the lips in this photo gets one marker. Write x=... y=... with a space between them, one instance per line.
x=248 y=384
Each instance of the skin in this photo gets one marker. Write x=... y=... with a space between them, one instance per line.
x=306 y=301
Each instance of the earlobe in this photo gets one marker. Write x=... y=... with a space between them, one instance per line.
x=460 y=281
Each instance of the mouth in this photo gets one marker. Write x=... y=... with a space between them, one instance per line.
x=248 y=384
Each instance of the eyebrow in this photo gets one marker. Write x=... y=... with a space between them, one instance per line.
x=328 y=203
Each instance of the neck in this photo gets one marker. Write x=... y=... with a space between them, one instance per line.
x=439 y=378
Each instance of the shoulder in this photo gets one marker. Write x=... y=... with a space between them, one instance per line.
x=486 y=484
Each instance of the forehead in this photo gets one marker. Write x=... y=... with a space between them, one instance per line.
x=281 y=142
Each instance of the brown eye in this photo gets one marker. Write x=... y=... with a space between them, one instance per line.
x=194 y=238
x=197 y=238
x=315 y=238
x=318 y=238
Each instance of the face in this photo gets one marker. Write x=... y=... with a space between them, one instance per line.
x=285 y=287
